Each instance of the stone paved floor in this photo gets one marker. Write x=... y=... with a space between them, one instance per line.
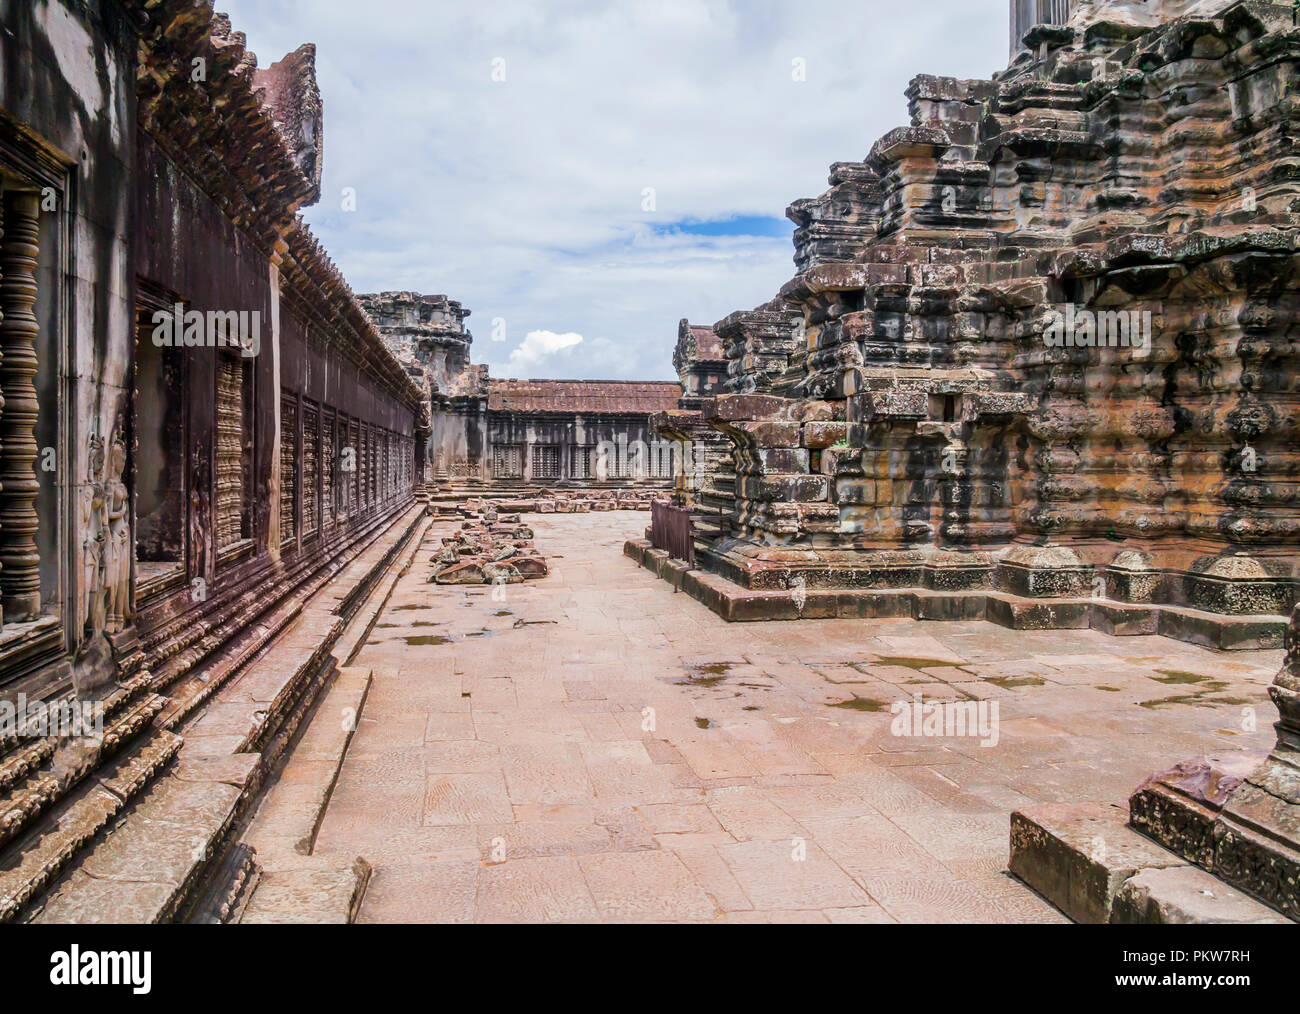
x=596 y=747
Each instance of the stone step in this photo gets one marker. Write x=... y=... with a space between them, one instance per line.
x=1186 y=894
x=736 y=603
x=1233 y=816
x=1079 y=855
x=320 y=894
x=232 y=884
x=267 y=699
x=1178 y=807
x=144 y=870
x=231 y=648
x=62 y=766
x=286 y=823
x=235 y=652
x=294 y=886
x=164 y=860
x=41 y=855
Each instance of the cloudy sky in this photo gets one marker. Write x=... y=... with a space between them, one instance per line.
x=582 y=174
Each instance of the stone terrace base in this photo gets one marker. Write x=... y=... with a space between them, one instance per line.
x=738 y=604
x=1238 y=819
x=1087 y=861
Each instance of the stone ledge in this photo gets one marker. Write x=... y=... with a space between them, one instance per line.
x=154 y=865
x=1078 y=856
x=737 y=604
x=143 y=870
x=324 y=896
x=1186 y=894
x=283 y=831
x=40 y=858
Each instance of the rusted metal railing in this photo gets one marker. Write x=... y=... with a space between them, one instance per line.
x=670 y=530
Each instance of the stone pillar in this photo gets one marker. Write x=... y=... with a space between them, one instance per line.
x=20 y=578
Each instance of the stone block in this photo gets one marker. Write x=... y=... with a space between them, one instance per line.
x=1078 y=856
x=1186 y=894
x=820 y=435
x=1178 y=807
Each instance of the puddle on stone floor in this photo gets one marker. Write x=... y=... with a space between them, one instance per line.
x=1201 y=696
x=705 y=723
x=503 y=612
x=708 y=675
x=1011 y=682
x=1177 y=676
x=423 y=640
x=860 y=704
x=907 y=662
x=425 y=623
x=401 y=609
x=534 y=623
x=1109 y=690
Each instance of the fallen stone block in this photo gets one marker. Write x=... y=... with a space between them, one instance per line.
x=501 y=573
x=468 y=572
x=530 y=566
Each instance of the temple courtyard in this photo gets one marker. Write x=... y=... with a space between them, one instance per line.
x=595 y=746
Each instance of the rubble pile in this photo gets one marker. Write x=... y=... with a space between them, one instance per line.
x=491 y=548
x=566 y=502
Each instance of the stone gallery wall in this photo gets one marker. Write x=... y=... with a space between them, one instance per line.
x=199 y=422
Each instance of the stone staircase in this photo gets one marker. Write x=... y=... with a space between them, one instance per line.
x=139 y=827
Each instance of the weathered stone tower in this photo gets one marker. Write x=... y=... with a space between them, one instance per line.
x=428 y=335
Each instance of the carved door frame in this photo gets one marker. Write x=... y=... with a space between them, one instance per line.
x=27 y=165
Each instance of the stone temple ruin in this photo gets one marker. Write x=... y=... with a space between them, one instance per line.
x=517 y=438
x=1038 y=366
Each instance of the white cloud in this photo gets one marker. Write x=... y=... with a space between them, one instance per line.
x=537 y=352
x=523 y=198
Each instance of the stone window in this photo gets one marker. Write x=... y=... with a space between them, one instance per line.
x=546 y=461
x=310 y=468
x=612 y=462
x=372 y=467
x=328 y=464
x=288 y=468
x=659 y=459
x=234 y=451
x=388 y=465
x=355 y=458
x=508 y=461
x=579 y=462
